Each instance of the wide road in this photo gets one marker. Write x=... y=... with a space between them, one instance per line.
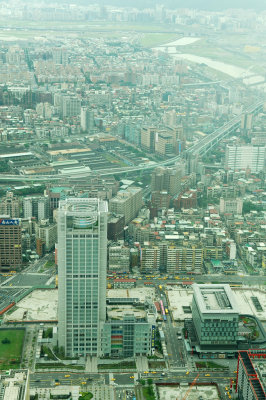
x=53 y=378
x=244 y=280
x=50 y=378
x=174 y=346
x=185 y=376
x=176 y=355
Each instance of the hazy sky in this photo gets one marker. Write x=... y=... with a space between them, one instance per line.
x=199 y=4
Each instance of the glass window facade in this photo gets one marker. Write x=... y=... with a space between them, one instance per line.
x=82 y=243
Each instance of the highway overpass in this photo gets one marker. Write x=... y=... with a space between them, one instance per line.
x=198 y=149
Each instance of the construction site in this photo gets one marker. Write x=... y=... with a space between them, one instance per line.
x=184 y=392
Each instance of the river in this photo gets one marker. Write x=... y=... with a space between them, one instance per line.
x=246 y=75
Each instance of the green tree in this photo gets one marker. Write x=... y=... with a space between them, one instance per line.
x=249 y=206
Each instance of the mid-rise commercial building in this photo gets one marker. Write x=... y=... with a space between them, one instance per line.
x=115 y=227
x=119 y=258
x=165 y=144
x=150 y=259
x=127 y=337
x=215 y=316
x=15 y=385
x=184 y=259
x=124 y=283
x=167 y=179
x=127 y=202
x=47 y=233
x=10 y=205
x=231 y=206
x=10 y=243
x=160 y=200
x=60 y=55
x=245 y=157
x=148 y=139
x=133 y=133
x=82 y=260
x=71 y=106
x=187 y=199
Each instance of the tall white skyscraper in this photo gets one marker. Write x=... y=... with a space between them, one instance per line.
x=86 y=120
x=82 y=259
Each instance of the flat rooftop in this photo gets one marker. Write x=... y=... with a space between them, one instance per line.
x=68 y=151
x=215 y=299
x=117 y=312
x=12 y=155
x=139 y=293
x=181 y=298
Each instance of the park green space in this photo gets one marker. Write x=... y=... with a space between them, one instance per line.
x=131 y=365
x=209 y=365
x=54 y=366
x=81 y=26
x=86 y=396
x=10 y=353
x=148 y=393
x=150 y=34
x=156 y=39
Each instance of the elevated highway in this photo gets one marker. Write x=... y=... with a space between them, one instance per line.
x=210 y=141
x=198 y=149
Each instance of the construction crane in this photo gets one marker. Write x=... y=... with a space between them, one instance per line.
x=190 y=388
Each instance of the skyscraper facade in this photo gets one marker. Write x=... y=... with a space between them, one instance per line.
x=82 y=259
x=86 y=120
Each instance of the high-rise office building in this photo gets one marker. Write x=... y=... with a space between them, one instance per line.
x=60 y=55
x=10 y=243
x=82 y=259
x=37 y=207
x=86 y=120
x=148 y=139
x=71 y=106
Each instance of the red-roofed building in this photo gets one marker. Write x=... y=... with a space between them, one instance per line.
x=124 y=283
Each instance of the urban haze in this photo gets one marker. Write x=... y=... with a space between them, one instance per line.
x=132 y=200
